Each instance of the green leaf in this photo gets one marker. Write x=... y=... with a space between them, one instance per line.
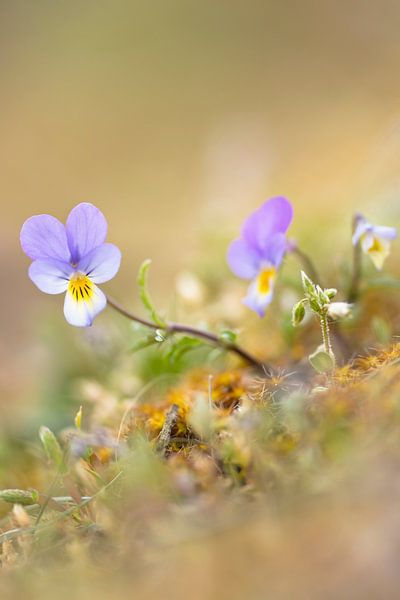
x=51 y=446
x=181 y=346
x=144 y=294
x=308 y=286
x=321 y=361
x=143 y=343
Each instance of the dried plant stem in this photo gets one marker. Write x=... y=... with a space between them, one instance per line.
x=165 y=434
x=193 y=331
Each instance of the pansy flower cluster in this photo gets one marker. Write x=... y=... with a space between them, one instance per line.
x=74 y=258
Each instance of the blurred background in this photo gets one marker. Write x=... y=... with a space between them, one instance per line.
x=176 y=119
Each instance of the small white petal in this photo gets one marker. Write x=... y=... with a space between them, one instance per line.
x=261 y=290
x=82 y=312
x=339 y=310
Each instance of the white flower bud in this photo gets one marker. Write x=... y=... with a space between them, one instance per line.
x=339 y=310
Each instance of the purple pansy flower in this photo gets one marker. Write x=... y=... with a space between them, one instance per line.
x=374 y=240
x=258 y=253
x=72 y=259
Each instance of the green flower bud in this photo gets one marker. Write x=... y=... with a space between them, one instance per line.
x=323 y=299
x=298 y=313
x=24 y=497
x=331 y=293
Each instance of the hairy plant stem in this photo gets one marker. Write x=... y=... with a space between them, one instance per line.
x=312 y=272
x=171 y=328
x=326 y=338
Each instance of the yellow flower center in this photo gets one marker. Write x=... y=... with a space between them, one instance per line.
x=80 y=287
x=265 y=280
x=376 y=246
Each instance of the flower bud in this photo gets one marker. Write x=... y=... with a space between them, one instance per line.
x=331 y=293
x=339 y=310
x=298 y=313
x=51 y=445
x=323 y=298
x=23 y=497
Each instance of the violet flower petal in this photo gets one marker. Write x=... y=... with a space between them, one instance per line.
x=43 y=237
x=50 y=276
x=274 y=216
x=86 y=229
x=243 y=259
x=362 y=226
x=386 y=233
x=102 y=263
x=275 y=250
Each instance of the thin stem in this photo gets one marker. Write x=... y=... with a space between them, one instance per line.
x=308 y=265
x=52 y=486
x=354 y=290
x=193 y=331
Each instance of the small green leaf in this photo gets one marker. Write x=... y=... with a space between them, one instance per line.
x=51 y=446
x=308 y=286
x=142 y=343
x=144 y=294
x=321 y=361
x=181 y=346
